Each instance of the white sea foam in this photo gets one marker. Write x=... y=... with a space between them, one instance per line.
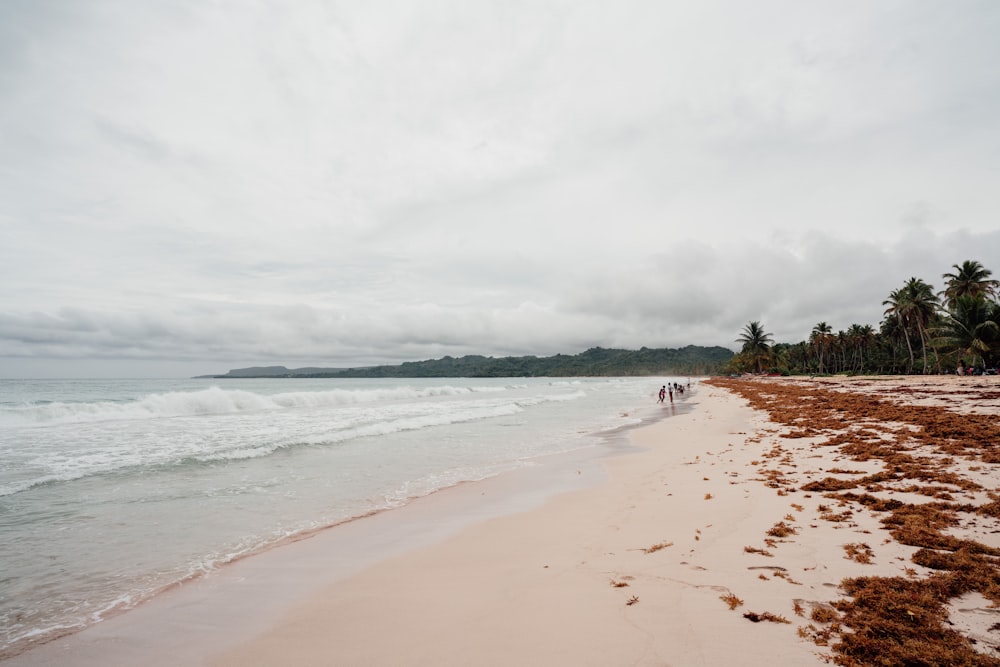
x=217 y=401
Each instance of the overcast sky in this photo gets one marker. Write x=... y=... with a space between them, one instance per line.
x=190 y=186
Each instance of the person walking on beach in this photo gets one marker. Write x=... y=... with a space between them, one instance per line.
x=663 y=392
x=671 y=394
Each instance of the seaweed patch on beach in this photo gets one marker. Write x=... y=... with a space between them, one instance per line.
x=657 y=547
x=732 y=600
x=921 y=459
x=765 y=616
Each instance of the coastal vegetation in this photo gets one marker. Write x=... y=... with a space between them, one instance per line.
x=921 y=331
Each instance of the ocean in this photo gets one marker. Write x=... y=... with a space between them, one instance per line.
x=114 y=490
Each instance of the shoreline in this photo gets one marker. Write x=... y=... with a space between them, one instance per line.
x=242 y=588
x=706 y=548
x=629 y=572
x=733 y=533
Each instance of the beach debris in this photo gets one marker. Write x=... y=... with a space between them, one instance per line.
x=923 y=450
x=765 y=616
x=632 y=600
x=782 y=529
x=820 y=637
x=657 y=547
x=755 y=550
x=731 y=600
x=617 y=583
x=828 y=515
x=824 y=613
x=784 y=575
x=859 y=552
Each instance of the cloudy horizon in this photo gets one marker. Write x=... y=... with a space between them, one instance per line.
x=190 y=187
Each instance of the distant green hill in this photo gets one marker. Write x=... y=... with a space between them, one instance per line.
x=597 y=361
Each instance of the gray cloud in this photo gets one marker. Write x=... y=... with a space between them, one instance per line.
x=703 y=299
x=190 y=184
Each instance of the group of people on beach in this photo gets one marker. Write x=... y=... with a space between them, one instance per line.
x=666 y=390
x=974 y=370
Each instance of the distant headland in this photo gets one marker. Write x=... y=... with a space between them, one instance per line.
x=597 y=361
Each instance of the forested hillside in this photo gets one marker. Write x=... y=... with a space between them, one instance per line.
x=597 y=361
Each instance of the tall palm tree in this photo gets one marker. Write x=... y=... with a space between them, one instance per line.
x=858 y=339
x=915 y=305
x=970 y=278
x=842 y=343
x=970 y=327
x=866 y=338
x=820 y=339
x=893 y=341
x=922 y=306
x=756 y=343
x=895 y=308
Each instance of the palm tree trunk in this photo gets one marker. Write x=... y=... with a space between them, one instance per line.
x=906 y=336
x=923 y=344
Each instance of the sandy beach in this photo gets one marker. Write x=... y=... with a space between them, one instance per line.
x=727 y=539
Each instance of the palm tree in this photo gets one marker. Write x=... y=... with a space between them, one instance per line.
x=915 y=306
x=970 y=327
x=820 y=338
x=971 y=278
x=858 y=339
x=756 y=343
x=922 y=305
x=895 y=309
x=842 y=342
x=866 y=338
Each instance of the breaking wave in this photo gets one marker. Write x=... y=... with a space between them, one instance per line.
x=217 y=401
